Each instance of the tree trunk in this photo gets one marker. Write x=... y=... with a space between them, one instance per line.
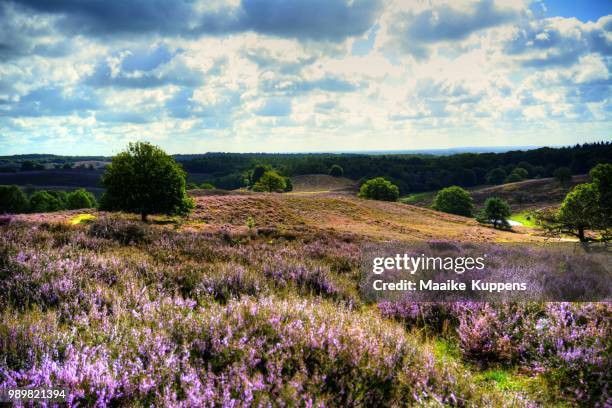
x=581 y=236
x=143 y=217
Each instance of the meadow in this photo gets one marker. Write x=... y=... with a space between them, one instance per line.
x=253 y=300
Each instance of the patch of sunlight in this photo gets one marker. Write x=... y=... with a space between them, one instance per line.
x=81 y=218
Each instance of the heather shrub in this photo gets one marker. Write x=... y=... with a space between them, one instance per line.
x=124 y=232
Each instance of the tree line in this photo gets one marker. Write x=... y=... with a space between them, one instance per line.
x=410 y=172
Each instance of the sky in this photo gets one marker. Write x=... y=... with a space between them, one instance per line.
x=87 y=77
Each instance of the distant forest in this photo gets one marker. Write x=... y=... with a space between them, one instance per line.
x=410 y=172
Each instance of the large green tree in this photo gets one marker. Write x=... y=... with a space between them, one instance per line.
x=270 y=181
x=145 y=180
x=495 y=211
x=454 y=200
x=379 y=189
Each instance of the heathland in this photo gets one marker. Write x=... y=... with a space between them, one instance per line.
x=253 y=299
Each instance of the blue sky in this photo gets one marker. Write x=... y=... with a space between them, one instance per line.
x=304 y=75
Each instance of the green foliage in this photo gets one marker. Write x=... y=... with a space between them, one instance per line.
x=12 y=200
x=288 y=184
x=580 y=210
x=80 y=198
x=145 y=180
x=207 y=186
x=602 y=181
x=258 y=173
x=270 y=182
x=495 y=211
x=496 y=176
x=43 y=201
x=518 y=174
x=336 y=171
x=191 y=186
x=379 y=189
x=454 y=200
x=563 y=175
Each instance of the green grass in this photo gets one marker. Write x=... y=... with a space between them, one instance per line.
x=418 y=198
x=525 y=218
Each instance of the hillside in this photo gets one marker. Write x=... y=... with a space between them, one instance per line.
x=312 y=214
x=522 y=195
x=321 y=183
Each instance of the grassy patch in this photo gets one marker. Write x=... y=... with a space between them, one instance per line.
x=526 y=218
x=81 y=218
x=418 y=198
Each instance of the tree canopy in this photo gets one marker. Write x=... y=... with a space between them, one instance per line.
x=379 y=189
x=454 y=200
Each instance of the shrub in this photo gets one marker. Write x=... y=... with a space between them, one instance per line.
x=454 y=200
x=81 y=198
x=379 y=189
x=43 y=201
x=495 y=211
x=336 y=171
x=145 y=180
x=124 y=232
x=563 y=175
x=518 y=174
x=207 y=186
x=496 y=176
x=191 y=186
x=12 y=200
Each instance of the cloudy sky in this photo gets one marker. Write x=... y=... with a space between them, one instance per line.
x=86 y=77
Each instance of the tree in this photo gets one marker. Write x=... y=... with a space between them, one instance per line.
x=579 y=212
x=601 y=175
x=518 y=174
x=288 y=184
x=12 y=200
x=258 y=173
x=145 y=180
x=43 y=201
x=563 y=175
x=336 y=171
x=270 y=181
x=379 y=189
x=80 y=198
x=496 y=176
x=495 y=211
x=454 y=200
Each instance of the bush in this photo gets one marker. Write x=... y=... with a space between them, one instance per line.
x=81 y=198
x=454 y=200
x=379 y=189
x=43 y=201
x=496 y=176
x=563 y=175
x=495 y=211
x=336 y=171
x=12 y=200
x=207 y=186
x=518 y=174
x=288 y=184
x=124 y=232
x=191 y=186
